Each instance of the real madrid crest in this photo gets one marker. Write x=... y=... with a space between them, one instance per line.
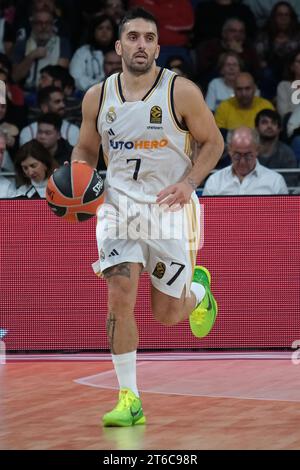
x=111 y=115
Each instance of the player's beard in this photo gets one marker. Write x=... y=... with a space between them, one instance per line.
x=140 y=69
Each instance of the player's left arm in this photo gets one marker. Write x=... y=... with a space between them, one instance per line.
x=191 y=108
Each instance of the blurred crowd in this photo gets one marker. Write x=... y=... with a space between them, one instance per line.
x=244 y=55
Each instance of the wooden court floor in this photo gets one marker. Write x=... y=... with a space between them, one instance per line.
x=42 y=407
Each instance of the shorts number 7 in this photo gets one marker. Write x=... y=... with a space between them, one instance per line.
x=181 y=268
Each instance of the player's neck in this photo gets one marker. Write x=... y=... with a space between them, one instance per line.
x=135 y=87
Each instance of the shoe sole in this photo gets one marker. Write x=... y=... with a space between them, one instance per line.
x=117 y=423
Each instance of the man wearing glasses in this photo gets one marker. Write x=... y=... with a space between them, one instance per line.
x=245 y=175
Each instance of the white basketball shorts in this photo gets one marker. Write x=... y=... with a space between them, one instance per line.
x=164 y=242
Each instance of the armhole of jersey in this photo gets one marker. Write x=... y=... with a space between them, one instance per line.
x=101 y=103
x=182 y=127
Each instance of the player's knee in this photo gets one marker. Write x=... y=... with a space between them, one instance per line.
x=120 y=297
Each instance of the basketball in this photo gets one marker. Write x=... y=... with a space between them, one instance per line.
x=75 y=191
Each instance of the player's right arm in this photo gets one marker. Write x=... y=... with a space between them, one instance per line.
x=87 y=147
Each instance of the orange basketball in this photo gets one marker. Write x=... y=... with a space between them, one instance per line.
x=75 y=191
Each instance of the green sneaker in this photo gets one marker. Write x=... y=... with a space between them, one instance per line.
x=128 y=411
x=204 y=315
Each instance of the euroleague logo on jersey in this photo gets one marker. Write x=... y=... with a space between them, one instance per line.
x=156 y=115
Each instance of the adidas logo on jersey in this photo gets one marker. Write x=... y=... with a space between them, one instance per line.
x=113 y=253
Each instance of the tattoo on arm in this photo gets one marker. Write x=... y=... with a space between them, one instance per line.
x=110 y=328
x=122 y=269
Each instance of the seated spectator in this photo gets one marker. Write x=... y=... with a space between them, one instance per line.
x=51 y=100
x=293 y=132
x=272 y=152
x=43 y=47
x=175 y=20
x=59 y=77
x=48 y=134
x=112 y=63
x=115 y=9
x=87 y=62
x=14 y=92
x=245 y=175
x=233 y=39
x=34 y=165
x=278 y=40
x=222 y=88
x=9 y=129
x=242 y=109
x=262 y=9
x=24 y=13
x=211 y=16
x=284 y=101
x=7 y=187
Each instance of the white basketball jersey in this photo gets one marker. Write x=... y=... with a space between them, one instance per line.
x=145 y=146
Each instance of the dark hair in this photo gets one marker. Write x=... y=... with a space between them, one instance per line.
x=50 y=118
x=94 y=23
x=270 y=114
x=271 y=26
x=288 y=73
x=43 y=96
x=134 y=14
x=58 y=72
x=35 y=150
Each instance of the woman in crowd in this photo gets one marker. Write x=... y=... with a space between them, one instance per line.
x=87 y=63
x=34 y=165
x=222 y=88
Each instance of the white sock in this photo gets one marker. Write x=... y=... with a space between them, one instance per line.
x=125 y=367
x=199 y=292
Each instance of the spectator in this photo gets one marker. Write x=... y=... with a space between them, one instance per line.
x=34 y=165
x=242 y=109
x=115 y=9
x=211 y=16
x=59 y=77
x=87 y=63
x=233 y=39
x=293 y=132
x=262 y=9
x=48 y=134
x=14 y=92
x=245 y=175
x=273 y=153
x=25 y=12
x=43 y=47
x=112 y=63
x=9 y=129
x=51 y=100
x=7 y=188
x=284 y=102
x=222 y=88
x=279 y=39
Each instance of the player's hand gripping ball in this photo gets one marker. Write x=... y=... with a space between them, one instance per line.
x=75 y=191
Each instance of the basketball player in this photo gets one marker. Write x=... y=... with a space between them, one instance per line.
x=145 y=118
